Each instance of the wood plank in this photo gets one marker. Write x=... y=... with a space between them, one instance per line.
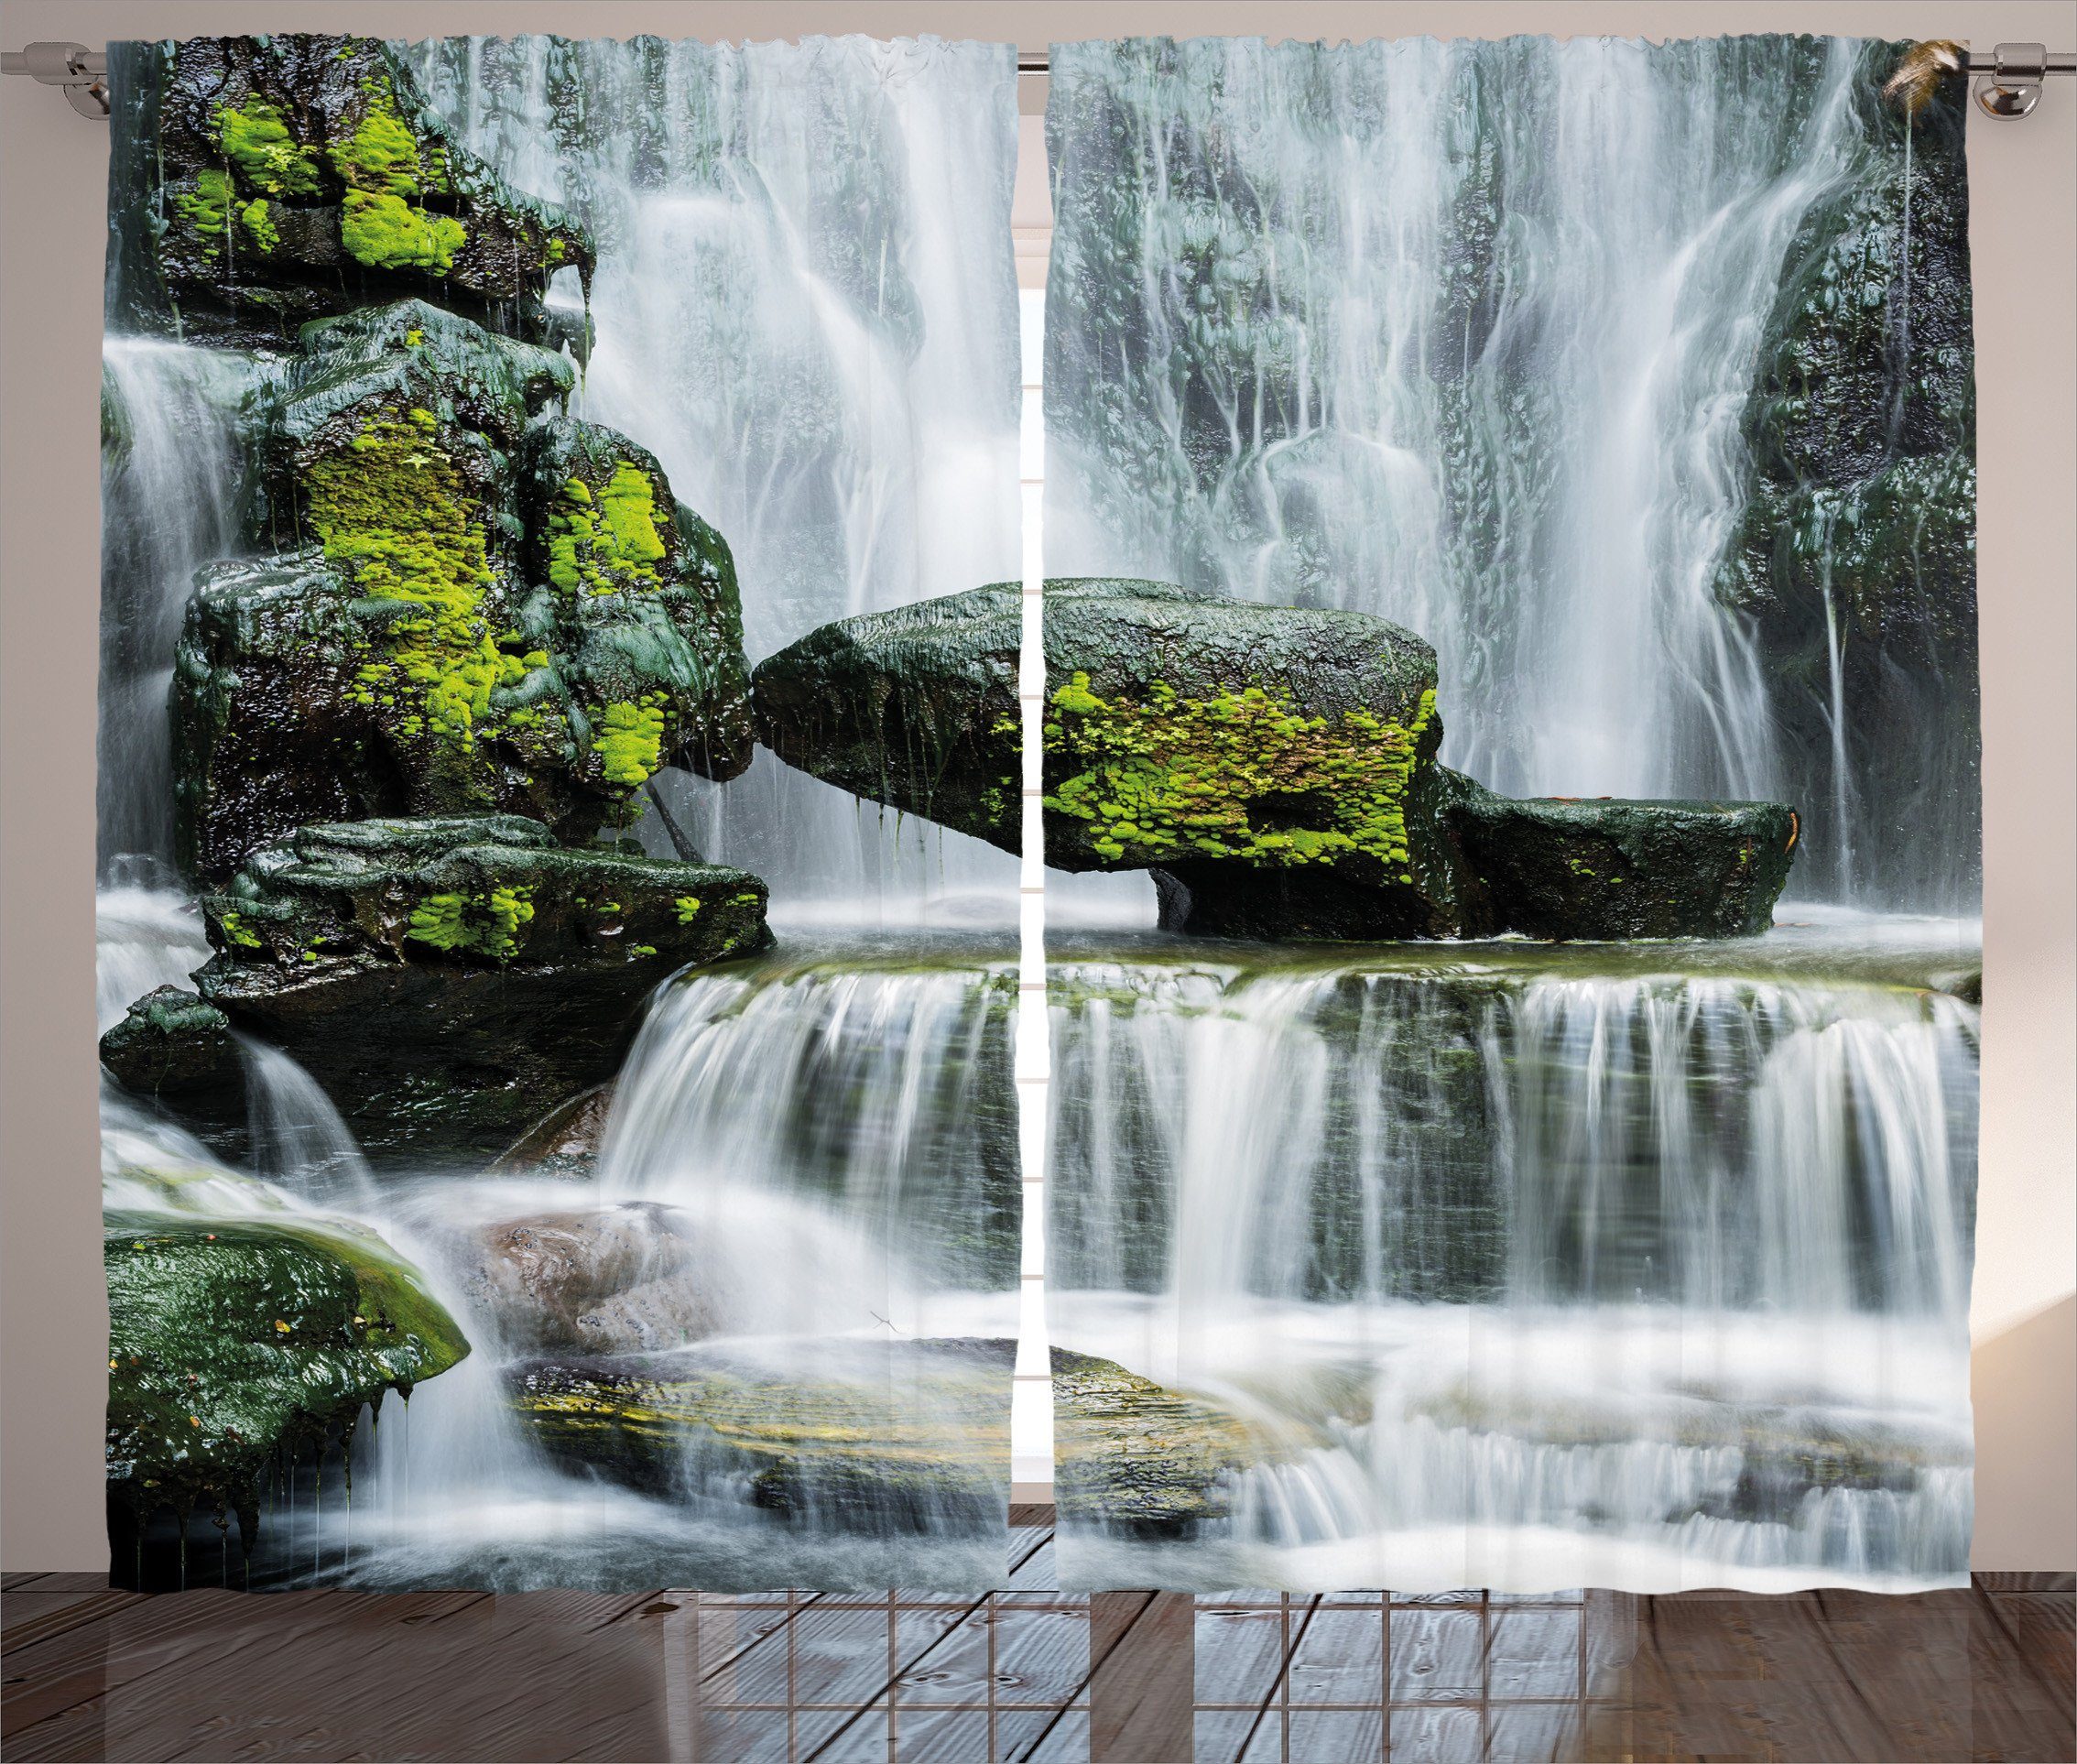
x=31 y=1614
x=1142 y=1679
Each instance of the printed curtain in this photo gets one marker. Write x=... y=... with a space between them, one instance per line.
x=1505 y=748
x=557 y=1132
x=1509 y=525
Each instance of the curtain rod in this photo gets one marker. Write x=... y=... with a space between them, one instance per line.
x=2008 y=77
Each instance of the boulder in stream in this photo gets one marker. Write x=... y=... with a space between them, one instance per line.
x=473 y=604
x=174 y=1044
x=448 y=980
x=235 y=1340
x=916 y=708
x=855 y=1435
x=1272 y=767
x=290 y=176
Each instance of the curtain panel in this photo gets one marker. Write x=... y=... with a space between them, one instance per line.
x=557 y=1132
x=1510 y=537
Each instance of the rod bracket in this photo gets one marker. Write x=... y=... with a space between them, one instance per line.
x=80 y=73
x=2011 y=86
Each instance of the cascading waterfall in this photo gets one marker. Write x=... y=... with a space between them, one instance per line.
x=1500 y=1249
x=821 y=392
x=1428 y=341
x=172 y=463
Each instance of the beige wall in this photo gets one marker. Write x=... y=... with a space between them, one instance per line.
x=2024 y=228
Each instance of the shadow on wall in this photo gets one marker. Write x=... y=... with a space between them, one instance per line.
x=2025 y=1385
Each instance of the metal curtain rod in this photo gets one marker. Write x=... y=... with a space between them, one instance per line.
x=2009 y=77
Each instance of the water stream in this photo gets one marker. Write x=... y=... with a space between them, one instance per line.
x=1628 y=1266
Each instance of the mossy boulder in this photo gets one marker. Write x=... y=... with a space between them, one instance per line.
x=410 y=646
x=1609 y=869
x=287 y=177
x=916 y=708
x=1272 y=767
x=174 y=1044
x=1133 y=1456
x=233 y=1341
x=449 y=981
x=857 y=1435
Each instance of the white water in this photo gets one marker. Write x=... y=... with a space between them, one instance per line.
x=1533 y=1270
x=170 y=504
x=1461 y=334
x=806 y=308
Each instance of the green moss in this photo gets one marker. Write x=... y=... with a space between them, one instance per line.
x=237 y=930
x=257 y=144
x=1237 y=775
x=207 y=208
x=392 y=511
x=688 y=906
x=629 y=741
x=492 y=923
x=260 y=224
x=608 y=545
x=384 y=223
x=232 y=1340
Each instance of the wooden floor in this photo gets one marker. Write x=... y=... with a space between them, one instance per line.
x=1031 y=1673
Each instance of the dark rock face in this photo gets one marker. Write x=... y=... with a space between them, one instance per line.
x=172 y=1045
x=916 y=708
x=440 y=632
x=449 y=981
x=1856 y=555
x=231 y=1340
x=284 y=177
x=873 y=1436
x=1607 y=869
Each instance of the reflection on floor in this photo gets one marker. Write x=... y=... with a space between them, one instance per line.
x=1030 y=1673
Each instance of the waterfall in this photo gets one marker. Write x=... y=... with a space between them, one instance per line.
x=805 y=306
x=1498 y=1248
x=1459 y=334
x=298 y=1138
x=145 y=938
x=849 y=1126
x=171 y=484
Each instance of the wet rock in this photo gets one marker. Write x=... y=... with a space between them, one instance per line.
x=916 y=708
x=1607 y=869
x=448 y=980
x=440 y=630
x=278 y=179
x=233 y=1341
x=564 y=1142
x=1133 y=1456
x=1854 y=558
x=173 y=1044
x=615 y=1280
x=869 y=1436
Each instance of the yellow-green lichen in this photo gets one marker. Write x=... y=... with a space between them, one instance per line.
x=392 y=511
x=688 y=906
x=629 y=740
x=1241 y=775
x=608 y=544
x=385 y=222
x=237 y=930
x=207 y=208
x=257 y=144
x=259 y=225
x=492 y=923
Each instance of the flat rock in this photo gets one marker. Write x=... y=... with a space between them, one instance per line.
x=448 y=981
